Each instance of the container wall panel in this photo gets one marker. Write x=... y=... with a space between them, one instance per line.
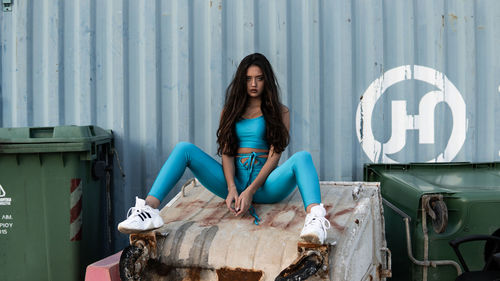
x=366 y=81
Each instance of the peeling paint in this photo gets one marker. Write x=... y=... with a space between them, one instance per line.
x=240 y=274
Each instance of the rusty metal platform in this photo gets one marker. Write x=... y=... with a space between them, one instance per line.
x=206 y=242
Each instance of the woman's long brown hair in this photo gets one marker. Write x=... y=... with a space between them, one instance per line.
x=237 y=100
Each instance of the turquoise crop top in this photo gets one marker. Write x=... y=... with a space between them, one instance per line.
x=252 y=133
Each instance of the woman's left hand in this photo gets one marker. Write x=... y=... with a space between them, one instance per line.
x=244 y=201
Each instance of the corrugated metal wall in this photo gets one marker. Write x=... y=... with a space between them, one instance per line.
x=155 y=73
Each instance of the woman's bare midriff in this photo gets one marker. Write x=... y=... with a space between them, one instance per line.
x=246 y=150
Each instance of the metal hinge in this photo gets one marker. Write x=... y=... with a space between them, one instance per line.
x=7 y=5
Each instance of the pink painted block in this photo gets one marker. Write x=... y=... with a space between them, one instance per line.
x=106 y=269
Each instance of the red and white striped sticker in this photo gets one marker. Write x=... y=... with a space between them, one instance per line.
x=75 y=228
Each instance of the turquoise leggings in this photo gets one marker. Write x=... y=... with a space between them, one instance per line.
x=297 y=170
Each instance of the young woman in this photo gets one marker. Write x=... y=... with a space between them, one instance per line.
x=252 y=134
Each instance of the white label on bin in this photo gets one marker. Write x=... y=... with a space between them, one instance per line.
x=5 y=224
x=4 y=228
x=445 y=92
x=4 y=200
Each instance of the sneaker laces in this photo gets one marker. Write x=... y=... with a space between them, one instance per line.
x=136 y=211
x=324 y=224
x=131 y=211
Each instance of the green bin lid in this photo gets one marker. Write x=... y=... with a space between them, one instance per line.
x=404 y=184
x=52 y=139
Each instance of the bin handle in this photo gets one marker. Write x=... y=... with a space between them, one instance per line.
x=425 y=263
x=38 y=133
x=396 y=209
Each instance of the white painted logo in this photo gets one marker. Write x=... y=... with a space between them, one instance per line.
x=3 y=200
x=401 y=121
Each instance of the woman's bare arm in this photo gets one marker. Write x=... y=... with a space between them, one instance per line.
x=232 y=193
x=228 y=168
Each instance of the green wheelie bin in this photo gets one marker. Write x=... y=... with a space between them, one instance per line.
x=54 y=185
x=427 y=205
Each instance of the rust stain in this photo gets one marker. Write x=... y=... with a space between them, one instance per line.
x=240 y=274
x=453 y=16
x=155 y=267
x=337 y=226
x=298 y=217
x=191 y=207
x=190 y=204
x=383 y=273
x=342 y=212
x=219 y=213
x=331 y=218
x=214 y=212
x=302 y=245
x=328 y=207
x=193 y=274
x=309 y=252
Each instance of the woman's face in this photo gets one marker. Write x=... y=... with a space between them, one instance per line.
x=255 y=81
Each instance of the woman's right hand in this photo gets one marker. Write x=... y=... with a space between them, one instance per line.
x=231 y=198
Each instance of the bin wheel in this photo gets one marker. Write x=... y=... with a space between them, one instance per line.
x=128 y=260
x=440 y=222
x=491 y=247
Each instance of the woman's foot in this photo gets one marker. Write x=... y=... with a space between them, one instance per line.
x=141 y=217
x=315 y=227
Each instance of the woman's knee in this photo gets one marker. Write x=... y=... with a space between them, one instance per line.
x=184 y=146
x=302 y=156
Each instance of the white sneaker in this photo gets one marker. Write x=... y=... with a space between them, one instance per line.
x=140 y=218
x=316 y=224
